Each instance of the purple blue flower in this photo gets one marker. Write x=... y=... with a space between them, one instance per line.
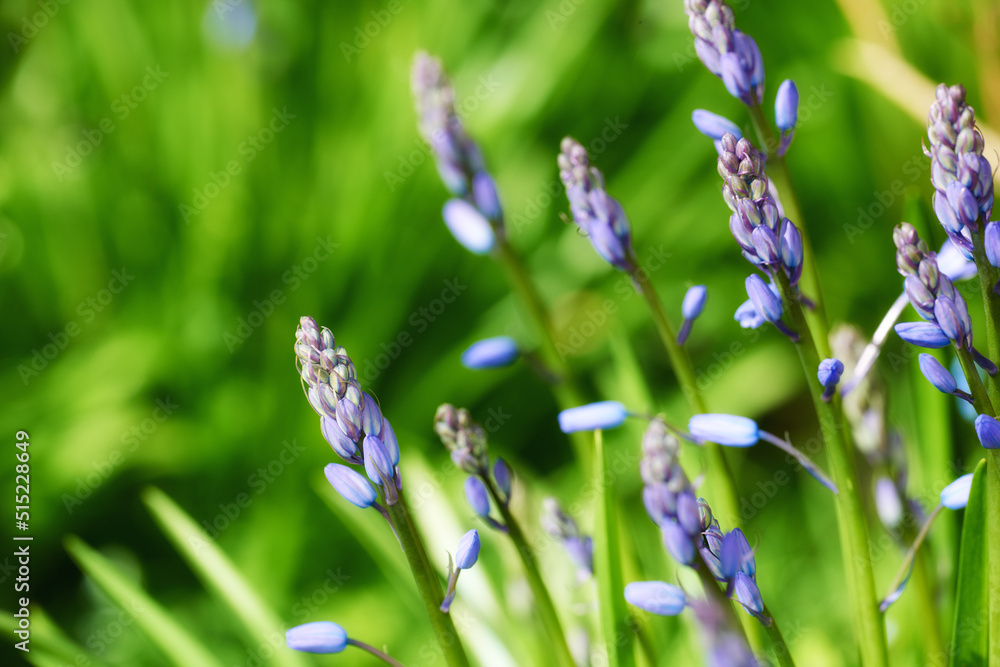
x=988 y=430
x=593 y=416
x=477 y=496
x=656 y=597
x=955 y=496
x=694 y=303
x=317 y=637
x=351 y=485
x=469 y=226
x=728 y=430
x=491 y=353
x=829 y=374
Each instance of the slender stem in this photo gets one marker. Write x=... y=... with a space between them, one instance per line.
x=780 y=648
x=777 y=171
x=979 y=395
x=614 y=617
x=428 y=584
x=567 y=392
x=993 y=556
x=389 y=660
x=991 y=303
x=868 y=621
x=543 y=602
x=911 y=553
x=724 y=491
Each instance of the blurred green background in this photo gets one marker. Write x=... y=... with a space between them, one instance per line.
x=180 y=182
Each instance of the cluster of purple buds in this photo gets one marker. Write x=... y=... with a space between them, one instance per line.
x=725 y=51
x=934 y=297
x=597 y=214
x=465 y=557
x=467 y=442
x=561 y=526
x=962 y=177
x=731 y=560
x=474 y=216
x=350 y=419
x=769 y=241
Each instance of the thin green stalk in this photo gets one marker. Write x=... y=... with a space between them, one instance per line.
x=983 y=404
x=567 y=392
x=868 y=621
x=543 y=602
x=923 y=579
x=614 y=616
x=991 y=303
x=777 y=171
x=781 y=651
x=724 y=491
x=993 y=557
x=388 y=659
x=428 y=584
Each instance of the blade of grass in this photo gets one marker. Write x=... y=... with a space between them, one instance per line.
x=179 y=646
x=218 y=573
x=969 y=629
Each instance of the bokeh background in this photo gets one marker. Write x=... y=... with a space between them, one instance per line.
x=180 y=182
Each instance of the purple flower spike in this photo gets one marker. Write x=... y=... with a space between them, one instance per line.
x=656 y=597
x=491 y=353
x=728 y=430
x=352 y=486
x=829 y=374
x=922 y=334
x=477 y=497
x=594 y=416
x=714 y=126
x=469 y=226
x=988 y=430
x=318 y=637
x=955 y=496
x=786 y=106
x=468 y=550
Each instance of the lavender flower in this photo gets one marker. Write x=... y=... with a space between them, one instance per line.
x=352 y=486
x=932 y=294
x=940 y=377
x=715 y=127
x=991 y=239
x=468 y=226
x=597 y=214
x=955 y=496
x=502 y=476
x=491 y=353
x=829 y=374
x=694 y=303
x=725 y=51
x=656 y=597
x=560 y=525
x=477 y=497
x=768 y=241
x=786 y=113
x=465 y=557
x=962 y=177
x=317 y=637
x=593 y=416
x=988 y=430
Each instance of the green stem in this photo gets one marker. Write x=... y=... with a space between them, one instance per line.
x=777 y=171
x=615 y=619
x=724 y=491
x=428 y=583
x=924 y=581
x=993 y=556
x=543 y=602
x=567 y=392
x=991 y=303
x=780 y=648
x=389 y=660
x=983 y=404
x=868 y=622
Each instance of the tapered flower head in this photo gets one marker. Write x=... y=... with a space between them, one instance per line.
x=464 y=438
x=491 y=353
x=593 y=416
x=597 y=214
x=725 y=51
x=318 y=637
x=656 y=597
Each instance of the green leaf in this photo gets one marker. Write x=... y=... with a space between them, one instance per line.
x=614 y=615
x=219 y=575
x=47 y=637
x=156 y=622
x=968 y=636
